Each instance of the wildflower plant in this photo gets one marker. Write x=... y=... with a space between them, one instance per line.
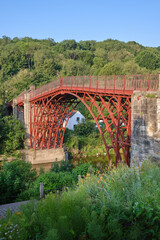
x=9 y=231
x=119 y=204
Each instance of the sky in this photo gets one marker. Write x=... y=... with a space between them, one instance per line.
x=124 y=20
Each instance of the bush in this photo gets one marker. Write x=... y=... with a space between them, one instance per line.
x=84 y=128
x=82 y=170
x=15 y=177
x=61 y=175
x=54 y=181
x=62 y=166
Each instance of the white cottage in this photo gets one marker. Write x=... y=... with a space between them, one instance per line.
x=75 y=118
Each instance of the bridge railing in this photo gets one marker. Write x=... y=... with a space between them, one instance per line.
x=46 y=88
x=20 y=97
x=99 y=83
x=114 y=82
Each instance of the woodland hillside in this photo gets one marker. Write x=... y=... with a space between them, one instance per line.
x=29 y=61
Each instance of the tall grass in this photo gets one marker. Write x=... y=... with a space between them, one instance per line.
x=123 y=203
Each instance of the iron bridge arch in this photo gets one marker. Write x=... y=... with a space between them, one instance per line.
x=47 y=126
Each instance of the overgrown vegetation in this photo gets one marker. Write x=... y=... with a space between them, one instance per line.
x=28 y=61
x=85 y=139
x=62 y=175
x=19 y=181
x=15 y=178
x=120 y=204
x=12 y=134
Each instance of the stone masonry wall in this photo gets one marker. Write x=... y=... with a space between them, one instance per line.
x=145 y=127
x=44 y=158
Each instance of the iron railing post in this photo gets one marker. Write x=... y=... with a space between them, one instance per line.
x=135 y=83
x=71 y=82
x=90 y=83
x=83 y=82
x=124 y=83
x=148 y=85
x=141 y=83
x=56 y=83
x=61 y=82
x=105 y=82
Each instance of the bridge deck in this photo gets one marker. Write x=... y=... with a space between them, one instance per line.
x=100 y=84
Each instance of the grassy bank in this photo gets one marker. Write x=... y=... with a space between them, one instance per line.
x=120 y=204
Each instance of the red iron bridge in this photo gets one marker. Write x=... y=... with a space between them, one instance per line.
x=107 y=98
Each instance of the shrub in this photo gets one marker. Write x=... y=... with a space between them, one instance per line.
x=53 y=181
x=84 y=128
x=60 y=176
x=15 y=177
x=62 y=166
x=82 y=170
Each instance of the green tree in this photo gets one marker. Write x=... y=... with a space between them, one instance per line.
x=134 y=47
x=131 y=67
x=74 y=68
x=112 y=68
x=149 y=58
x=15 y=177
x=65 y=45
x=16 y=84
x=12 y=134
x=87 y=45
x=84 y=128
x=98 y=64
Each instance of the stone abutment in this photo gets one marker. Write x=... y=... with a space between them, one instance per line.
x=145 y=127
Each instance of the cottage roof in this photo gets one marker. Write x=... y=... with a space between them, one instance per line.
x=74 y=112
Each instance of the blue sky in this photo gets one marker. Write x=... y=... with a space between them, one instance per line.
x=124 y=20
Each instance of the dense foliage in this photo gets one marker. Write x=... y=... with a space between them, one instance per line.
x=61 y=175
x=19 y=181
x=12 y=134
x=28 y=61
x=121 y=204
x=15 y=177
x=86 y=140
